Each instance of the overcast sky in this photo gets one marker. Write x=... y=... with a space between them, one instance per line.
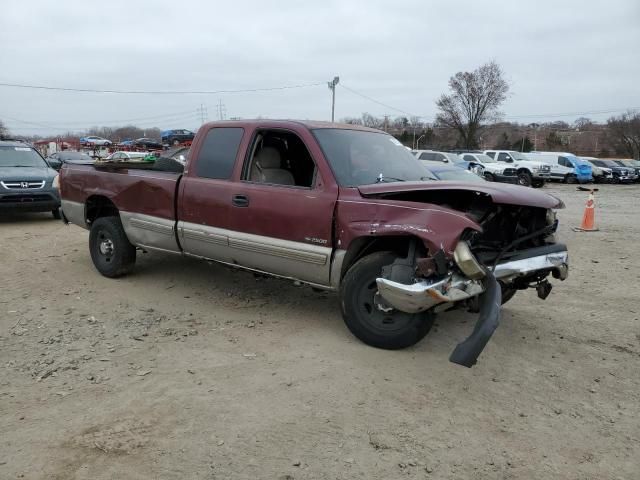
x=558 y=56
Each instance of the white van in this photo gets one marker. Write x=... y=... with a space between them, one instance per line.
x=565 y=167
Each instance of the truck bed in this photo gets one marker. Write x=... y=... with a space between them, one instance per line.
x=133 y=190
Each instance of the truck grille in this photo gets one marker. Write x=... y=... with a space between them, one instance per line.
x=23 y=185
x=509 y=172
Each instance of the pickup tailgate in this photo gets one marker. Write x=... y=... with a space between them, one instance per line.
x=145 y=200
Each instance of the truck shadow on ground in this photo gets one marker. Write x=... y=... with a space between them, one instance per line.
x=186 y=279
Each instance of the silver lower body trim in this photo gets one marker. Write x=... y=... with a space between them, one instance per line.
x=74 y=212
x=149 y=231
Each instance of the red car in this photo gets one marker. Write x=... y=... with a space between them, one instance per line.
x=338 y=207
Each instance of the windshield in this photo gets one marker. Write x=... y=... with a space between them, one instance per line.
x=362 y=158
x=517 y=156
x=609 y=163
x=20 y=157
x=485 y=158
x=459 y=175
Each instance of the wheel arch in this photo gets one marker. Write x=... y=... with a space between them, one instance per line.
x=98 y=206
x=365 y=245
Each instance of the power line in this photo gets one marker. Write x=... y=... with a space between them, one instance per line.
x=158 y=92
x=84 y=125
x=571 y=114
x=377 y=101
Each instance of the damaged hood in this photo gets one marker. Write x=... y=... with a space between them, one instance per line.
x=499 y=192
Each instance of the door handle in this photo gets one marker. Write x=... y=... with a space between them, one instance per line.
x=240 y=201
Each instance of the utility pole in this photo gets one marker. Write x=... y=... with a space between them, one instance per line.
x=386 y=122
x=203 y=113
x=332 y=86
x=221 y=110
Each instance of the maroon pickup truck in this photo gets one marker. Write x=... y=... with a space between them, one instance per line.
x=337 y=207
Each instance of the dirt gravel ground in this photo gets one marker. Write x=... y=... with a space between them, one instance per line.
x=188 y=370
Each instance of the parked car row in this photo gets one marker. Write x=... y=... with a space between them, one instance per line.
x=494 y=165
x=167 y=138
x=535 y=168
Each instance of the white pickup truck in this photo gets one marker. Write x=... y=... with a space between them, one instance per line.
x=494 y=171
x=530 y=173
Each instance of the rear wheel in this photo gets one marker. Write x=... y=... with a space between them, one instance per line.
x=111 y=252
x=524 y=179
x=571 y=179
x=537 y=184
x=366 y=314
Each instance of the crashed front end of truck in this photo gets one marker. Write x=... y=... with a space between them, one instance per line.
x=509 y=247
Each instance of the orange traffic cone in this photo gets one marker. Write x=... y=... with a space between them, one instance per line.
x=588 y=219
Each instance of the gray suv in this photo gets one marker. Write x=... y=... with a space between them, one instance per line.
x=27 y=182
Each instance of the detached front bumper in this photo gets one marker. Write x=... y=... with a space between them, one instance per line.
x=426 y=294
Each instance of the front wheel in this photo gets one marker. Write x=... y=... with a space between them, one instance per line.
x=111 y=252
x=571 y=179
x=537 y=184
x=524 y=179
x=366 y=314
x=56 y=213
x=489 y=177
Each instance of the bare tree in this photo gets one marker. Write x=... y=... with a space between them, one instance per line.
x=474 y=99
x=625 y=129
x=352 y=120
x=582 y=123
x=369 y=120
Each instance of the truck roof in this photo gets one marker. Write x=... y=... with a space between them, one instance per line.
x=309 y=124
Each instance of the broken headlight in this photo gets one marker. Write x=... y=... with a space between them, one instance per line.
x=552 y=219
x=467 y=262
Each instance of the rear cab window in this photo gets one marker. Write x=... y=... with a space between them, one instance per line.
x=217 y=156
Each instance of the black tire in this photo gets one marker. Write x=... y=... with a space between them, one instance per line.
x=537 y=184
x=524 y=179
x=507 y=293
x=56 y=213
x=489 y=177
x=392 y=330
x=571 y=179
x=166 y=164
x=616 y=180
x=111 y=252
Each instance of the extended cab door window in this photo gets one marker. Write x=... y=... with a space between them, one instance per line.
x=218 y=152
x=279 y=158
